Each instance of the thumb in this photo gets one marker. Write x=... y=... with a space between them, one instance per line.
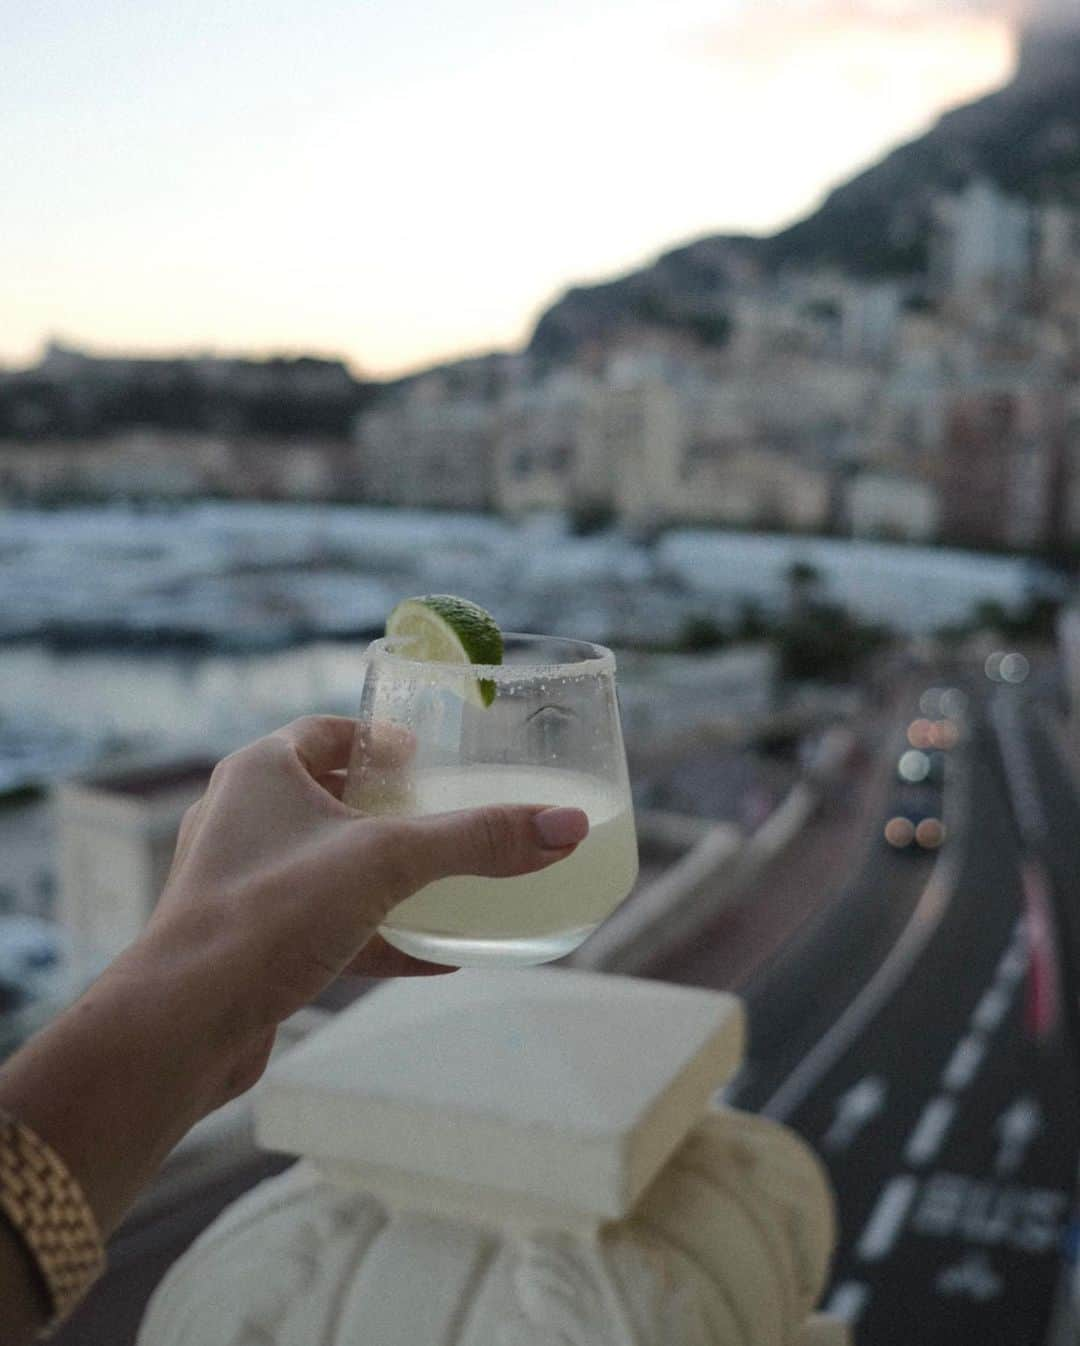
x=498 y=840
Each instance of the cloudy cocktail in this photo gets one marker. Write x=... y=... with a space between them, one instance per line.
x=542 y=727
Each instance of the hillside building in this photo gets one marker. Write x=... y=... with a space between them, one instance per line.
x=982 y=247
x=428 y=448
x=1003 y=466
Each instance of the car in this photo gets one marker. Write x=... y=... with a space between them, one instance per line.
x=918 y=765
x=914 y=821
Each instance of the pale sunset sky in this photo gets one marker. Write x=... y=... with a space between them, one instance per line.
x=399 y=181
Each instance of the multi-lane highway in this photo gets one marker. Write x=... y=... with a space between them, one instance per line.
x=916 y=1029
x=919 y=1035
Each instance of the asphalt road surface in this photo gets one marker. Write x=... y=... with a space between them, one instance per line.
x=924 y=1044
x=917 y=1030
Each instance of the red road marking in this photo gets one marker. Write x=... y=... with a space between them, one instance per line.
x=1042 y=1002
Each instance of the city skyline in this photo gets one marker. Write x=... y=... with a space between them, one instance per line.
x=338 y=183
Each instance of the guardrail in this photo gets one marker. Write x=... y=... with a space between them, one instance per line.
x=711 y=876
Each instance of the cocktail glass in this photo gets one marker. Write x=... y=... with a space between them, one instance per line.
x=550 y=735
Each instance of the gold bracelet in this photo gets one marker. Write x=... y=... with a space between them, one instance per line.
x=48 y=1210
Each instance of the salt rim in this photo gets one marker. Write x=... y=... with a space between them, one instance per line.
x=602 y=661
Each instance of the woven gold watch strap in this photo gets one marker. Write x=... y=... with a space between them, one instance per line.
x=47 y=1208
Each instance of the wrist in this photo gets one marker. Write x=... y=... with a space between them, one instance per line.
x=189 y=997
x=118 y=1079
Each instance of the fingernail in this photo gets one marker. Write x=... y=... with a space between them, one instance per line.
x=561 y=827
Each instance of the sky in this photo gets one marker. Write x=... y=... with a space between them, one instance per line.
x=395 y=182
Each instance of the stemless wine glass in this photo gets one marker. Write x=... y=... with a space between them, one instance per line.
x=540 y=728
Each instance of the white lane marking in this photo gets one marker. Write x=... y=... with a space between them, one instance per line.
x=1017 y=1128
x=1015 y=961
x=929 y=1133
x=992 y=1008
x=972 y=1278
x=853 y=1110
x=873 y=997
x=989 y=1213
x=848 y=1300
x=964 y=1063
x=1020 y=777
x=883 y=1227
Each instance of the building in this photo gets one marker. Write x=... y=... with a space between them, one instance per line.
x=1003 y=464
x=889 y=506
x=116 y=836
x=639 y=429
x=154 y=464
x=428 y=447
x=982 y=246
x=870 y=316
x=1068 y=640
x=1070 y=505
x=665 y=701
x=1058 y=248
x=545 y=456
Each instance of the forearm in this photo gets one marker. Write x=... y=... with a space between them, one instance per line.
x=117 y=1080
x=22 y=1294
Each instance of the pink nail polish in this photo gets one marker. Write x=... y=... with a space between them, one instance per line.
x=560 y=827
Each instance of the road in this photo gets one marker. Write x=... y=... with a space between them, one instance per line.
x=914 y=1029
x=917 y=1036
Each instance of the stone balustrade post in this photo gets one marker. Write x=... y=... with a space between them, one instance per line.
x=523 y=1158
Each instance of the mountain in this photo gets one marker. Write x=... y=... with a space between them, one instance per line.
x=1025 y=137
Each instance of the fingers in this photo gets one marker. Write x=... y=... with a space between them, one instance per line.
x=327 y=743
x=188 y=823
x=322 y=742
x=379 y=779
x=382 y=746
x=498 y=841
x=333 y=783
x=379 y=959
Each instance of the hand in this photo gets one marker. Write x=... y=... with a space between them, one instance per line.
x=280 y=887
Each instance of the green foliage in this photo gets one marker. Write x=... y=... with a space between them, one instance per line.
x=822 y=310
x=752 y=623
x=803 y=575
x=700 y=633
x=274 y=397
x=710 y=329
x=823 y=641
x=676 y=312
x=591 y=516
x=1036 y=621
x=819 y=641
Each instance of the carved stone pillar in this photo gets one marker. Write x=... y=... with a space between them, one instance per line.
x=514 y=1159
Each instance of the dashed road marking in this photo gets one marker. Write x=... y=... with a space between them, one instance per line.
x=964 y=1063
x=992 y=1008
x=848 y=1300
x=853 y=1110
x=883 y=1228
x=929 y=1133
x=1014 y=962
x=1017 y=1128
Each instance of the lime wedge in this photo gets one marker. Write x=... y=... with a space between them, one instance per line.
x=439 y=628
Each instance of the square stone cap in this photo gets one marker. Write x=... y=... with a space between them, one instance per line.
x=567 y=1090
